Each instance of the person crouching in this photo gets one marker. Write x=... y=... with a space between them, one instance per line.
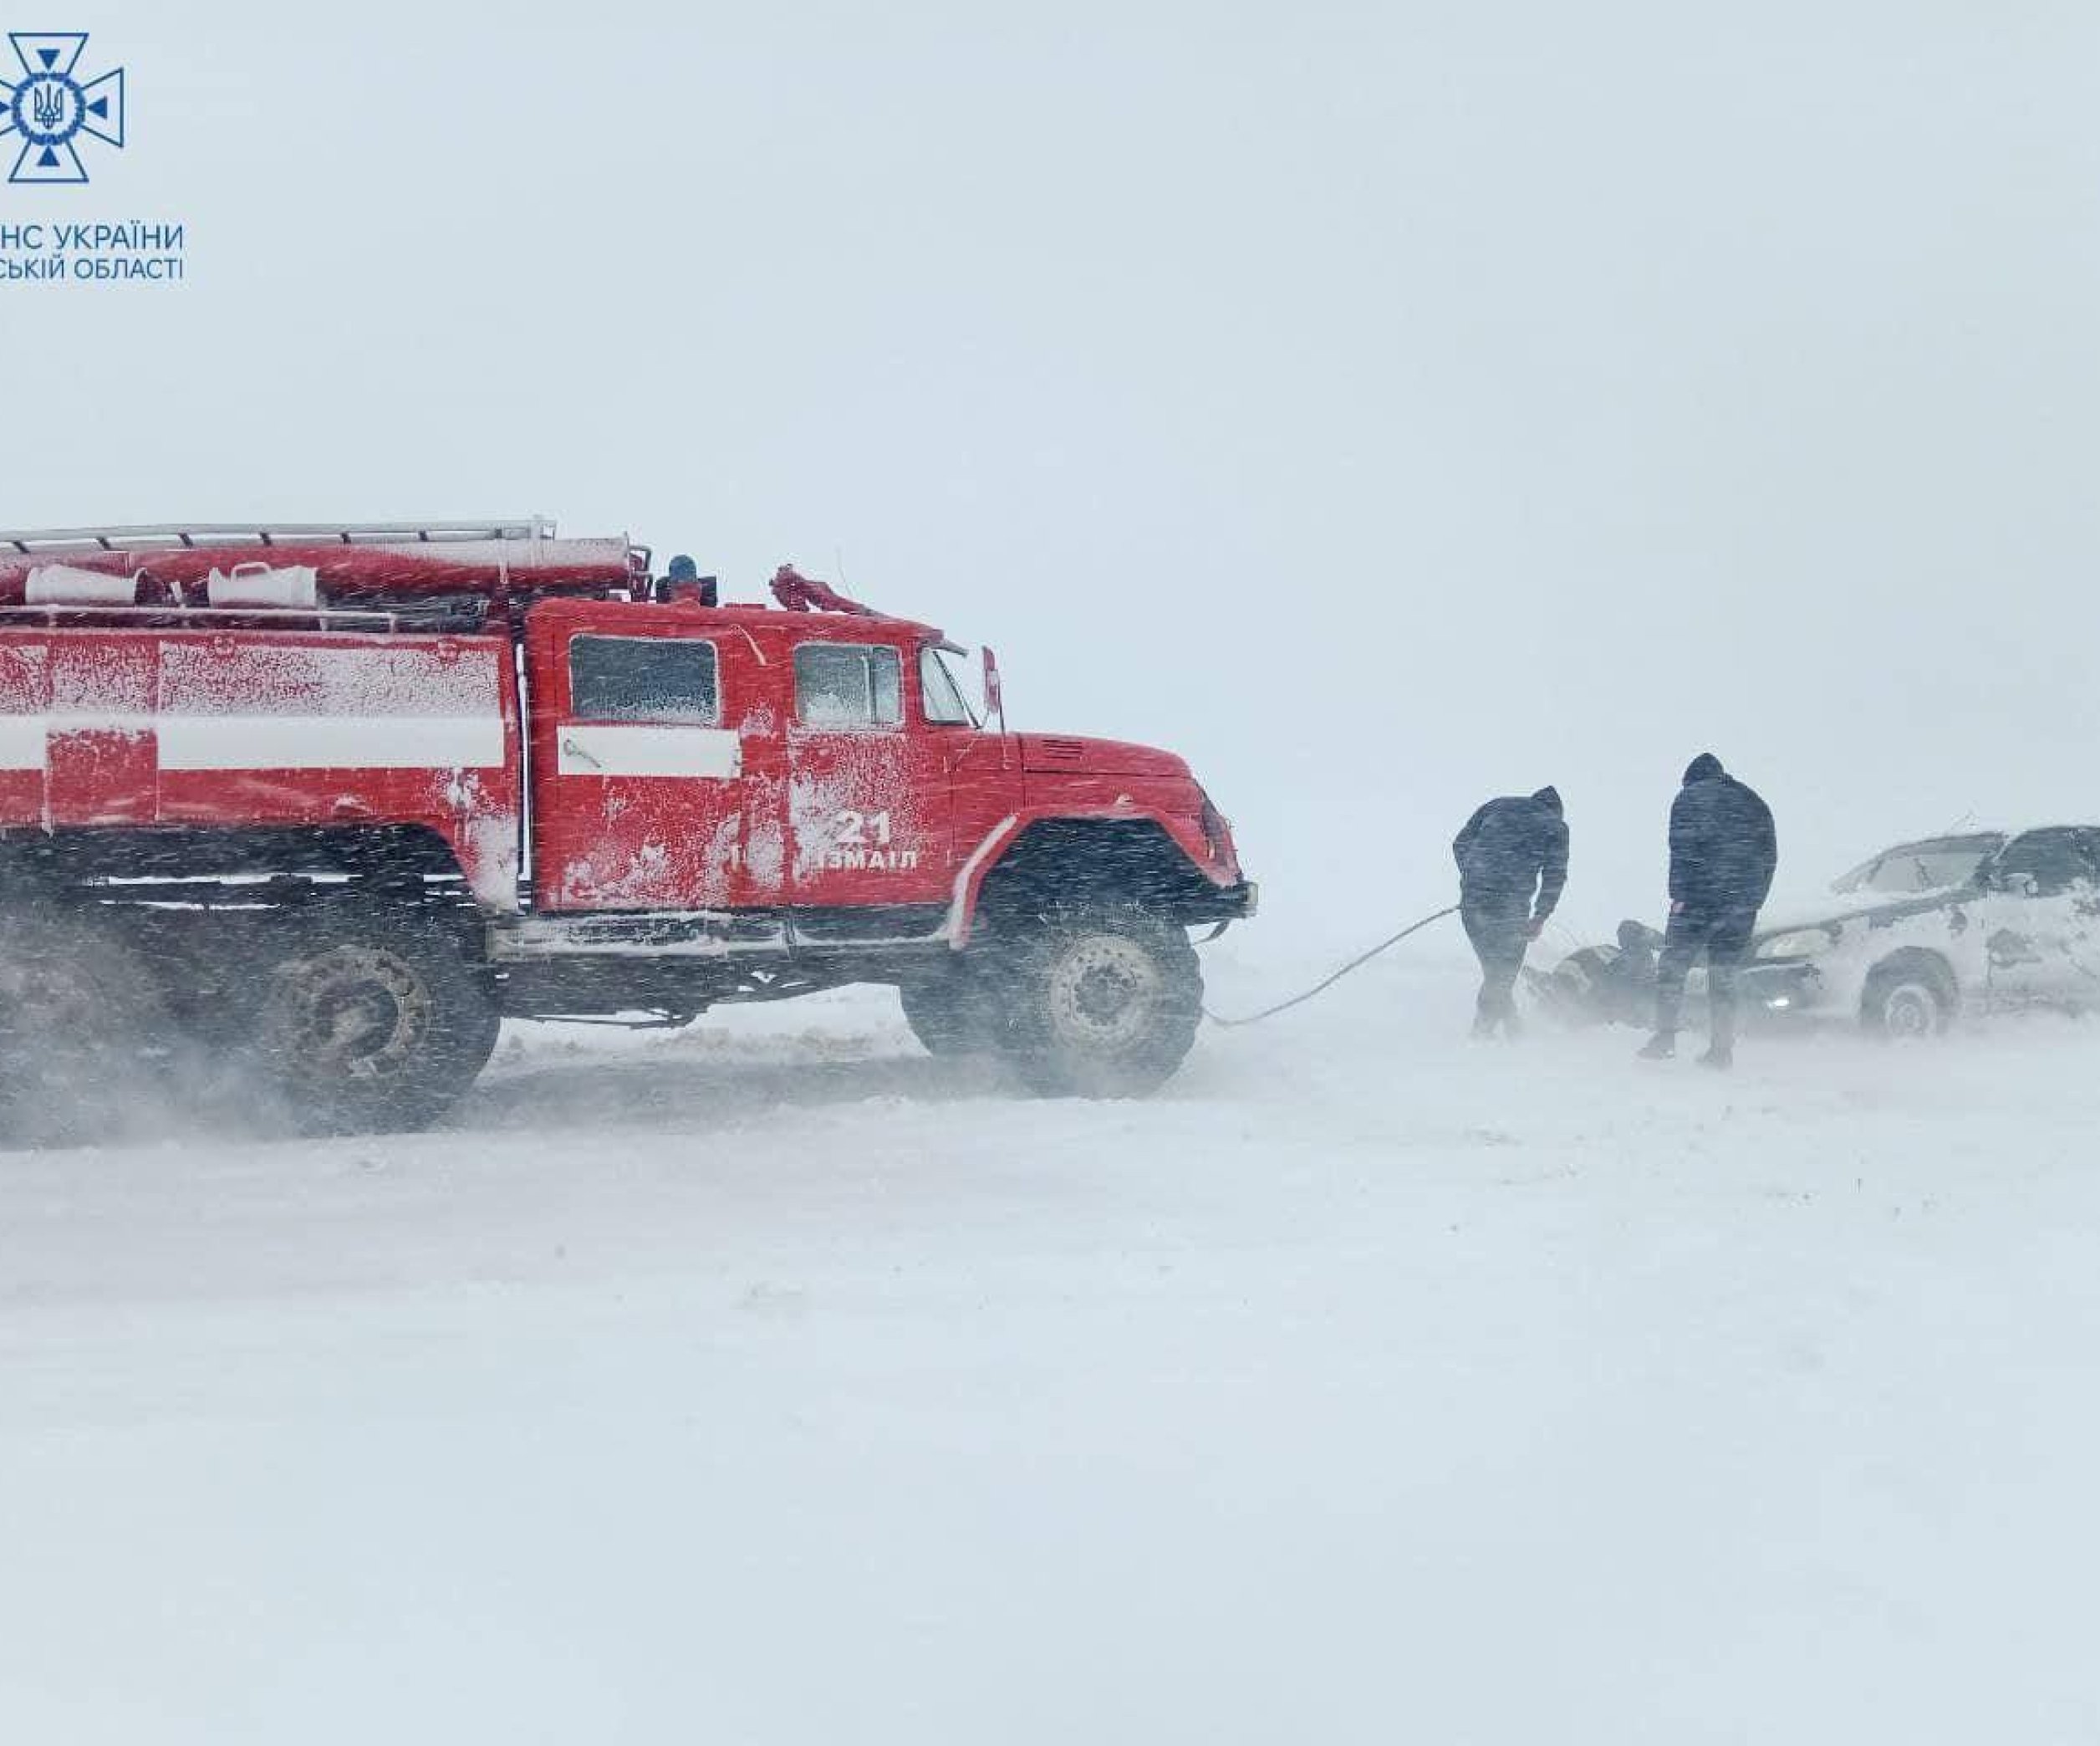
x=1512 y=864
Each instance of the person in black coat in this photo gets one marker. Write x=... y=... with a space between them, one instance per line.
x=1512 y=863
x=1723 y=852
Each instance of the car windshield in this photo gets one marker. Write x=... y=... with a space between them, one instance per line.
x=1932 y=866
x=945 y=704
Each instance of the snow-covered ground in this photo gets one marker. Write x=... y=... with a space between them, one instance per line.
x=772 y=1383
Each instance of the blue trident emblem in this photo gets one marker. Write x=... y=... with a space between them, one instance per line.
x=51 y=108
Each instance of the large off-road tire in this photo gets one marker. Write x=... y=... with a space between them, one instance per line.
x=1909 y=998
x=371 y=1020
x=1100 y=1001
x=81 y=1024
x=952 y=1012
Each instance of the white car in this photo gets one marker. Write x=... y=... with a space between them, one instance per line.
x=1929 y=931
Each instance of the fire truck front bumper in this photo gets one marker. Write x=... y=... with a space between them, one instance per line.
x=1227 y=903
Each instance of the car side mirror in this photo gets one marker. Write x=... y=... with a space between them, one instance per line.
x=994 y=695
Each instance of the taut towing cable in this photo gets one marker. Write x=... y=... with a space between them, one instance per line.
x=1321 y=988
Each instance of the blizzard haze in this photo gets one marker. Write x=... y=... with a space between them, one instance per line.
x=1386 y=406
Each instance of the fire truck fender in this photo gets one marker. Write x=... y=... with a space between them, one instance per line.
x=1051 y=844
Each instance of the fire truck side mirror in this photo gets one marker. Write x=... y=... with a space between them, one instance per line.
x=994 y=693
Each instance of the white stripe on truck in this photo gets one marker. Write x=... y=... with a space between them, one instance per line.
x=276 y=741
x=22 y=742
x=600 y=749
x=329 y=743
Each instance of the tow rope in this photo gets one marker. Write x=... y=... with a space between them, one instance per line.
x=1321 y=988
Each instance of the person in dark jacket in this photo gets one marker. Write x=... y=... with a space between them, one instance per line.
x=1513 y=862
x=1723 y=852
x=683 y=581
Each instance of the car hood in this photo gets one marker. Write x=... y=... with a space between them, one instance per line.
x=1839 y=910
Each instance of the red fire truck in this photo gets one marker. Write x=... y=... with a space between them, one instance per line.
x=305 y=811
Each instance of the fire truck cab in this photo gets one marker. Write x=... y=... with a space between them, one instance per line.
x=685 y=758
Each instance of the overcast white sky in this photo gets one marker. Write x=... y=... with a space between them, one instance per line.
x=1385 y=405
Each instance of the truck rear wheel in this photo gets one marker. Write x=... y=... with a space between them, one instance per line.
x=953 y=1013
x=372 y=1022
x=79 y=1020
x=1101 y=1002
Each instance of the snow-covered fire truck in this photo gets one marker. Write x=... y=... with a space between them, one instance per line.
x=310 y=810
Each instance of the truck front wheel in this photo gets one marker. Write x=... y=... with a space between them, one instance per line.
x=1101 y=1003
x=372 y=1022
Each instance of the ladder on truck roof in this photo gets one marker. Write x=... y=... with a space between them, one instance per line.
x=37 y=541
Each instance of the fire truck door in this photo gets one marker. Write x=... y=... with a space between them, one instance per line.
x=640 y=772
x=867 y=792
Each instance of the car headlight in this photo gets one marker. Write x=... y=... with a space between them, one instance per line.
x=1804 y=942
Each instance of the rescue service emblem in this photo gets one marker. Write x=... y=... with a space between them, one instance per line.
x=52 y=107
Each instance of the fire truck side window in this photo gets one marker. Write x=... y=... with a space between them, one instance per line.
x=939 y=693
x=643 y=679
x=843 y=684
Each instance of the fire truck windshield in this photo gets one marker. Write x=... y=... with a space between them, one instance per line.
x=944 y=705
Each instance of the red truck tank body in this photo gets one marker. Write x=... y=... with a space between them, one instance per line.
x=106 y=727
